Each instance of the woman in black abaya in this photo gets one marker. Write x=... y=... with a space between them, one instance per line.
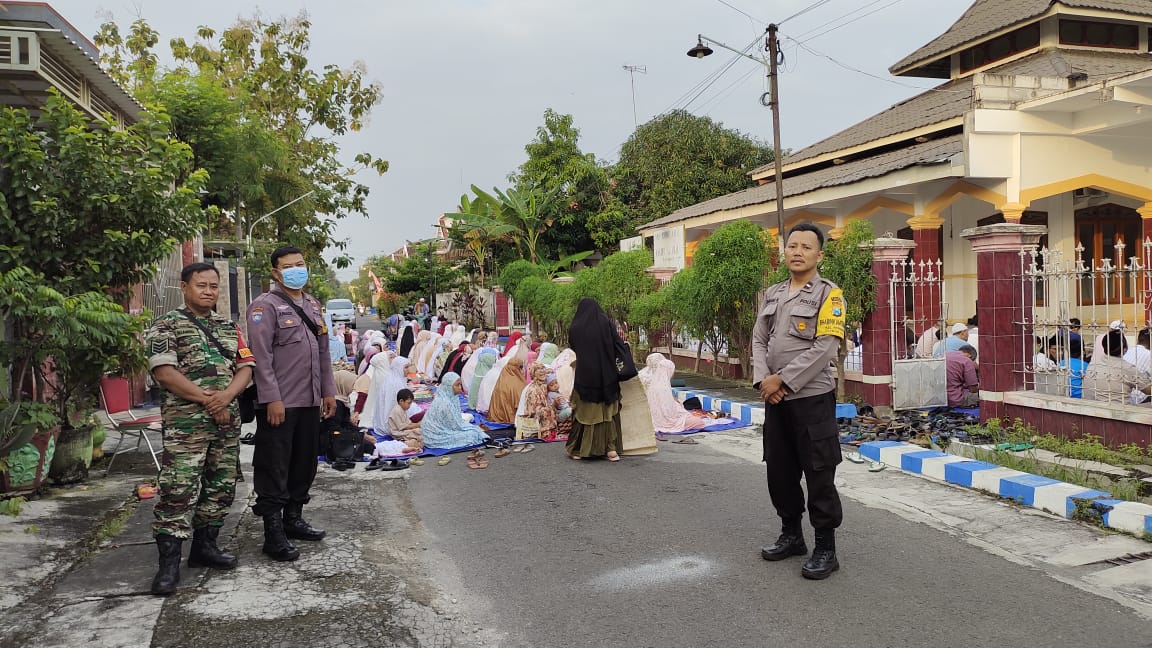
x=602 y=361
x=407 y=340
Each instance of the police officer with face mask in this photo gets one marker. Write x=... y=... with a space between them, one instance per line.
x=796 y=338
x=295 y=390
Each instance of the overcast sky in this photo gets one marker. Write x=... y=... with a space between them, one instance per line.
x=466 y=82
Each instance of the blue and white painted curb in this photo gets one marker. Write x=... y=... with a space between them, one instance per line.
x=1056 y=497
x=743 y=412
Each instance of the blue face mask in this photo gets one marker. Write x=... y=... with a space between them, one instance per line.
x=294 y=278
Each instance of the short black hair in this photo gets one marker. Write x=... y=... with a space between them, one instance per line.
x=1074 y=322
x=404 y=394
x=969 y=350
x=1144 y=337
x=972 y=321
x=807 y=227
x=1075 y=349
x=193 y=268
x=283 y=251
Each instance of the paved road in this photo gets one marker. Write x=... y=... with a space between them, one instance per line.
x=540 y=551
x=663 y=551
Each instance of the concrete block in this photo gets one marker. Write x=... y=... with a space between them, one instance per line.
x=1087 y=494
x=894 y=455
x=935 y=467
x=871 y=449
x=1129 y=516
x=913 y=462
x=989 y=480
x=1053 y=498
x=1023 y=487
x=961 y=472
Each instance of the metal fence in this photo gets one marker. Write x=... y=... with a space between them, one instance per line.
x=161 y=293
x=1075 y=304
x=918 y=309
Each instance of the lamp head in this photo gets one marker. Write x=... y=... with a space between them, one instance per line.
x=700 y=50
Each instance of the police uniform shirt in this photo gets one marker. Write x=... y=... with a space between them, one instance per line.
x=798 y=336
x=294 y=366
x=174 y=340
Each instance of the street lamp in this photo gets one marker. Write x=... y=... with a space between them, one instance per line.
x=700 y=50
x=259 y=220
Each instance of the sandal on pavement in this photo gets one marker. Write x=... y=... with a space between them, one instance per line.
x=375 y=464
x=503 y=452
x=527 y=447
x=612 y=456
x=393 y=464
x=416 y=462
x=477 y=463
x=855 y=458
x=686 y=441
x=444 y=461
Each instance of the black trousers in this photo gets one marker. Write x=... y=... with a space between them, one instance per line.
x=284 y=460
x=801 y=439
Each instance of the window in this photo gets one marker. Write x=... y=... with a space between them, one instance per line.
x=1099 y=34
x=1099 y=230
x=1001 y=47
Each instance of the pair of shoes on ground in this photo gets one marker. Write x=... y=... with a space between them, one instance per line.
x=380 y=463
x=476 y=460
x=819 y=565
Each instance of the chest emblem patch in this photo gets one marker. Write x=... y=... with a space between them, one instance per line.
x=800 y=326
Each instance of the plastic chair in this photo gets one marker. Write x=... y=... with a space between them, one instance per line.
x=116 y=399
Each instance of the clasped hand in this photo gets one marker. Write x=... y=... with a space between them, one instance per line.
x=772 y=389
x=216 y=403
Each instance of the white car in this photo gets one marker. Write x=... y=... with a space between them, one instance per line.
x=342 y=312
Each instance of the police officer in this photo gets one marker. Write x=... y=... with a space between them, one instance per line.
x=797 y=335
x=201 y=360
x=295 y=389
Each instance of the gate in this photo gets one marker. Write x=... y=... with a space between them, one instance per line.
x=161 y=293
x=917 y=309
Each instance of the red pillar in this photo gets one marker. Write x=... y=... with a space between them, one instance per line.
x=1004 y=301
x=1145 y=255
x=880 y=328
x=926 y=234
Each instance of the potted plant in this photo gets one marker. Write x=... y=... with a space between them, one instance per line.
x=27 y=443
x=58 y=347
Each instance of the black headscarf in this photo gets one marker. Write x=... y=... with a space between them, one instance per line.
x=455 y=361
x=407 y=341
x=598 y=348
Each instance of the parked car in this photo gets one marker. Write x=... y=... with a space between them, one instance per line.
x=342 y=312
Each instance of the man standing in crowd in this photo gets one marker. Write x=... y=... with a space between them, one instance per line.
x=796 y=338
x=423 y=314
x=295 y=389
x=200 y=359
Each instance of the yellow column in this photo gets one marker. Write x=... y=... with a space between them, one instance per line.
x=1013 y=212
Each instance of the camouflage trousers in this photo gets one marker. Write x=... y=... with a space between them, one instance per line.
x=198 y=475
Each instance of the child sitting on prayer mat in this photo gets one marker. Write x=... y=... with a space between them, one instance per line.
x=400 y=426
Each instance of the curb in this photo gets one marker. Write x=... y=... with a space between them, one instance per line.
x=1035 y=491
x=746 y=414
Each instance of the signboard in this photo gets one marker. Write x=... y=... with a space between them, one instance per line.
x=629 y=244
x=668 y=248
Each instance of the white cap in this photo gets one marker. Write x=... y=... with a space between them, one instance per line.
x=959 y=327
x=1116 y=325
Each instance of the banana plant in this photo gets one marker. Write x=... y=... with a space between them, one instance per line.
x=476 y=227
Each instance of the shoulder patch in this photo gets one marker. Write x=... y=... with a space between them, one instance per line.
x=831 y=318
x=160 y=346
x=245 y=353
x=256 y=314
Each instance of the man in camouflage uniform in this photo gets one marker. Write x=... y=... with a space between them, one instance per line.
x=200 y=359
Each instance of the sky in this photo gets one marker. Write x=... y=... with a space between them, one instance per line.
x=466 y=82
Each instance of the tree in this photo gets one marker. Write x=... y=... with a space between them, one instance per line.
x=849 y=266
x=677 y=160
x=92 y=209
x=263 y=66
x=528 y=212
x=476 y=227
x=516 y=272
x=419 y=273
x=556 y=165
x=621 y=279
x=731 y=265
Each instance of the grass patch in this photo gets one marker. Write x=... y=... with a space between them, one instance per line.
x=1084 y=448
x=112 y=525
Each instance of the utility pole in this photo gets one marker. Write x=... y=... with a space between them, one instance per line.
x=632 y=70
x=774 y=104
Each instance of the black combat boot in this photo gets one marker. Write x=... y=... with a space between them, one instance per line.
x=297 y=528
x=168 y=576
x=790 y=543
x=276 y=544
x=823 y=561
x=205 y=552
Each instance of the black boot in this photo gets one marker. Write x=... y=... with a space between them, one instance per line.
x=168 y=576
x=823 y=561
x=276 y=543
x=205 y=552
x=790 y=543
x=297 y=528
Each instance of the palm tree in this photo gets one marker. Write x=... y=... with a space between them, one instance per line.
x=528 y=211
x=476 y=227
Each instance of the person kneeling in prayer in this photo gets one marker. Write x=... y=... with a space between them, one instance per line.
x=963 y=384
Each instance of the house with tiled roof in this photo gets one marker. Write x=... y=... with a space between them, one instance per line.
x=1044 y=117
x=1021 y=186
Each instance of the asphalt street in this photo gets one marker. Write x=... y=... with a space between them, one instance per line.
x=664 y=551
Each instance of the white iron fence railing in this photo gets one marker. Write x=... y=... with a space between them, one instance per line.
x=1075 y=304
x=161 y=293
x=918 y=310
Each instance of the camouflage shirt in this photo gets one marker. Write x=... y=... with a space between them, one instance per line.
x=174 y=340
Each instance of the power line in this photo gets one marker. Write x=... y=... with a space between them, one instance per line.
x=739 y=10
x=632 y=70
x=710 y=78
x=814 y=5
x=856 y=19
x=868 y=74
x=839 y=18
x=723 y=94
